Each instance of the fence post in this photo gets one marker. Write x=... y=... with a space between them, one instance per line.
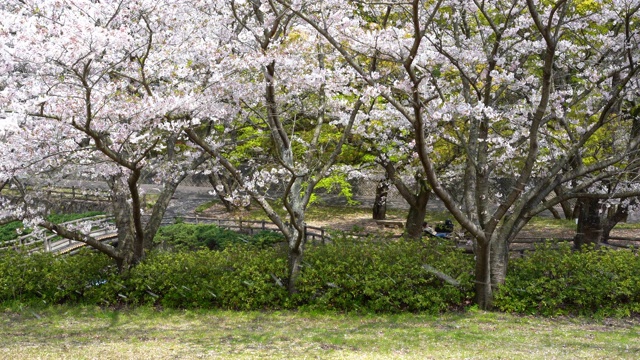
x=322 y=235
x=263 y=225
x=197 y=219
x=73 y=192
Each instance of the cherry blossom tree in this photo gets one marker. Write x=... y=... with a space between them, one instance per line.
x=99 y=90
x=521 y=87
x=293 y=96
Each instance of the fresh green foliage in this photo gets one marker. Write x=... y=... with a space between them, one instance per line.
x=183 y=236
x=384 y=276
x=557 y=281
x=335 y=183
x=43 y=277
x=10 y=231
x=238 y=277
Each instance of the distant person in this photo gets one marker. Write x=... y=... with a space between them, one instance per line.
x=428 y=230
x=444 y=230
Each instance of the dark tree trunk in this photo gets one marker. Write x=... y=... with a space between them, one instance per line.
x=294 y=262
x=555 y=213
x=380 y=203
x=613 y=218
x=221 y=182
x=589 y=229
x=417 y=213
x=567 y=209
x=484 y=291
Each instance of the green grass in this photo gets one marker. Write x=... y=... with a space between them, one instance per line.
x=88 y=332
x=204 y=206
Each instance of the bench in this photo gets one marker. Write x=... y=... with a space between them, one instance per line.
x=391 y=223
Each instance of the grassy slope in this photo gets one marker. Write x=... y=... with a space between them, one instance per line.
x=78 y=333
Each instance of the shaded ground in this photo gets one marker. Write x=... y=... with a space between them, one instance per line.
x=362 y=222
x=187 y=198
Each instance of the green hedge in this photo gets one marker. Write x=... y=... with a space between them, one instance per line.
x=380 y=276
x=183 y=236
x=559 y=281
x=43 y=277
x=368 y=275
x=238 y=277
x=384 y=276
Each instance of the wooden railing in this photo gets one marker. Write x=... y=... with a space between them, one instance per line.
x=250 y=227
x=72 y=193
x=52 y=242
x=102 y=228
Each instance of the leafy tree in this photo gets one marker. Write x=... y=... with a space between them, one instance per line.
x=96 y=88
x=483 y=75
x=287 y=91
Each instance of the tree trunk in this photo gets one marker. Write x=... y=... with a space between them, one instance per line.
x=416 y=214
x=619 y=214
x=128 y=249
x=218 y=183
x=589 y=229
x=499 y=261
x=380 y=203
x=567 y=209
x=294 y=262
x=484 y=292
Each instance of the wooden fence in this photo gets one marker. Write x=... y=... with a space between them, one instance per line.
x=250 y=227
x=51 y=242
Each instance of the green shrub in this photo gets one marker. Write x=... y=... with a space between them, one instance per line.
x=183 y=237
x=384 y=276
x=50 y=279
x=218 y=238
x=180 y=237
x=9 y=231
x=559 y=281
x=345 y=275
x=238 y=277
x=266 y=238
x=61 y=218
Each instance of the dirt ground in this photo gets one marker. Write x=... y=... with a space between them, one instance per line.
x=363 y=223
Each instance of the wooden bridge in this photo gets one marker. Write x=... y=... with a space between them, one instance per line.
x=100 y=227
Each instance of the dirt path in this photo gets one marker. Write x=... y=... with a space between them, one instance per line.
x=363 y=223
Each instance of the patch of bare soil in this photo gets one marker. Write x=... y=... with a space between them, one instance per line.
x=566 y=233
x=358 y=222
x=362 y=223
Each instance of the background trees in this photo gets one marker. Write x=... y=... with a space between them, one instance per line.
x=508 y=107
x=494 y=73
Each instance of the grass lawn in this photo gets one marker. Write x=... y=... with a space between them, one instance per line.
x=87 y=332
